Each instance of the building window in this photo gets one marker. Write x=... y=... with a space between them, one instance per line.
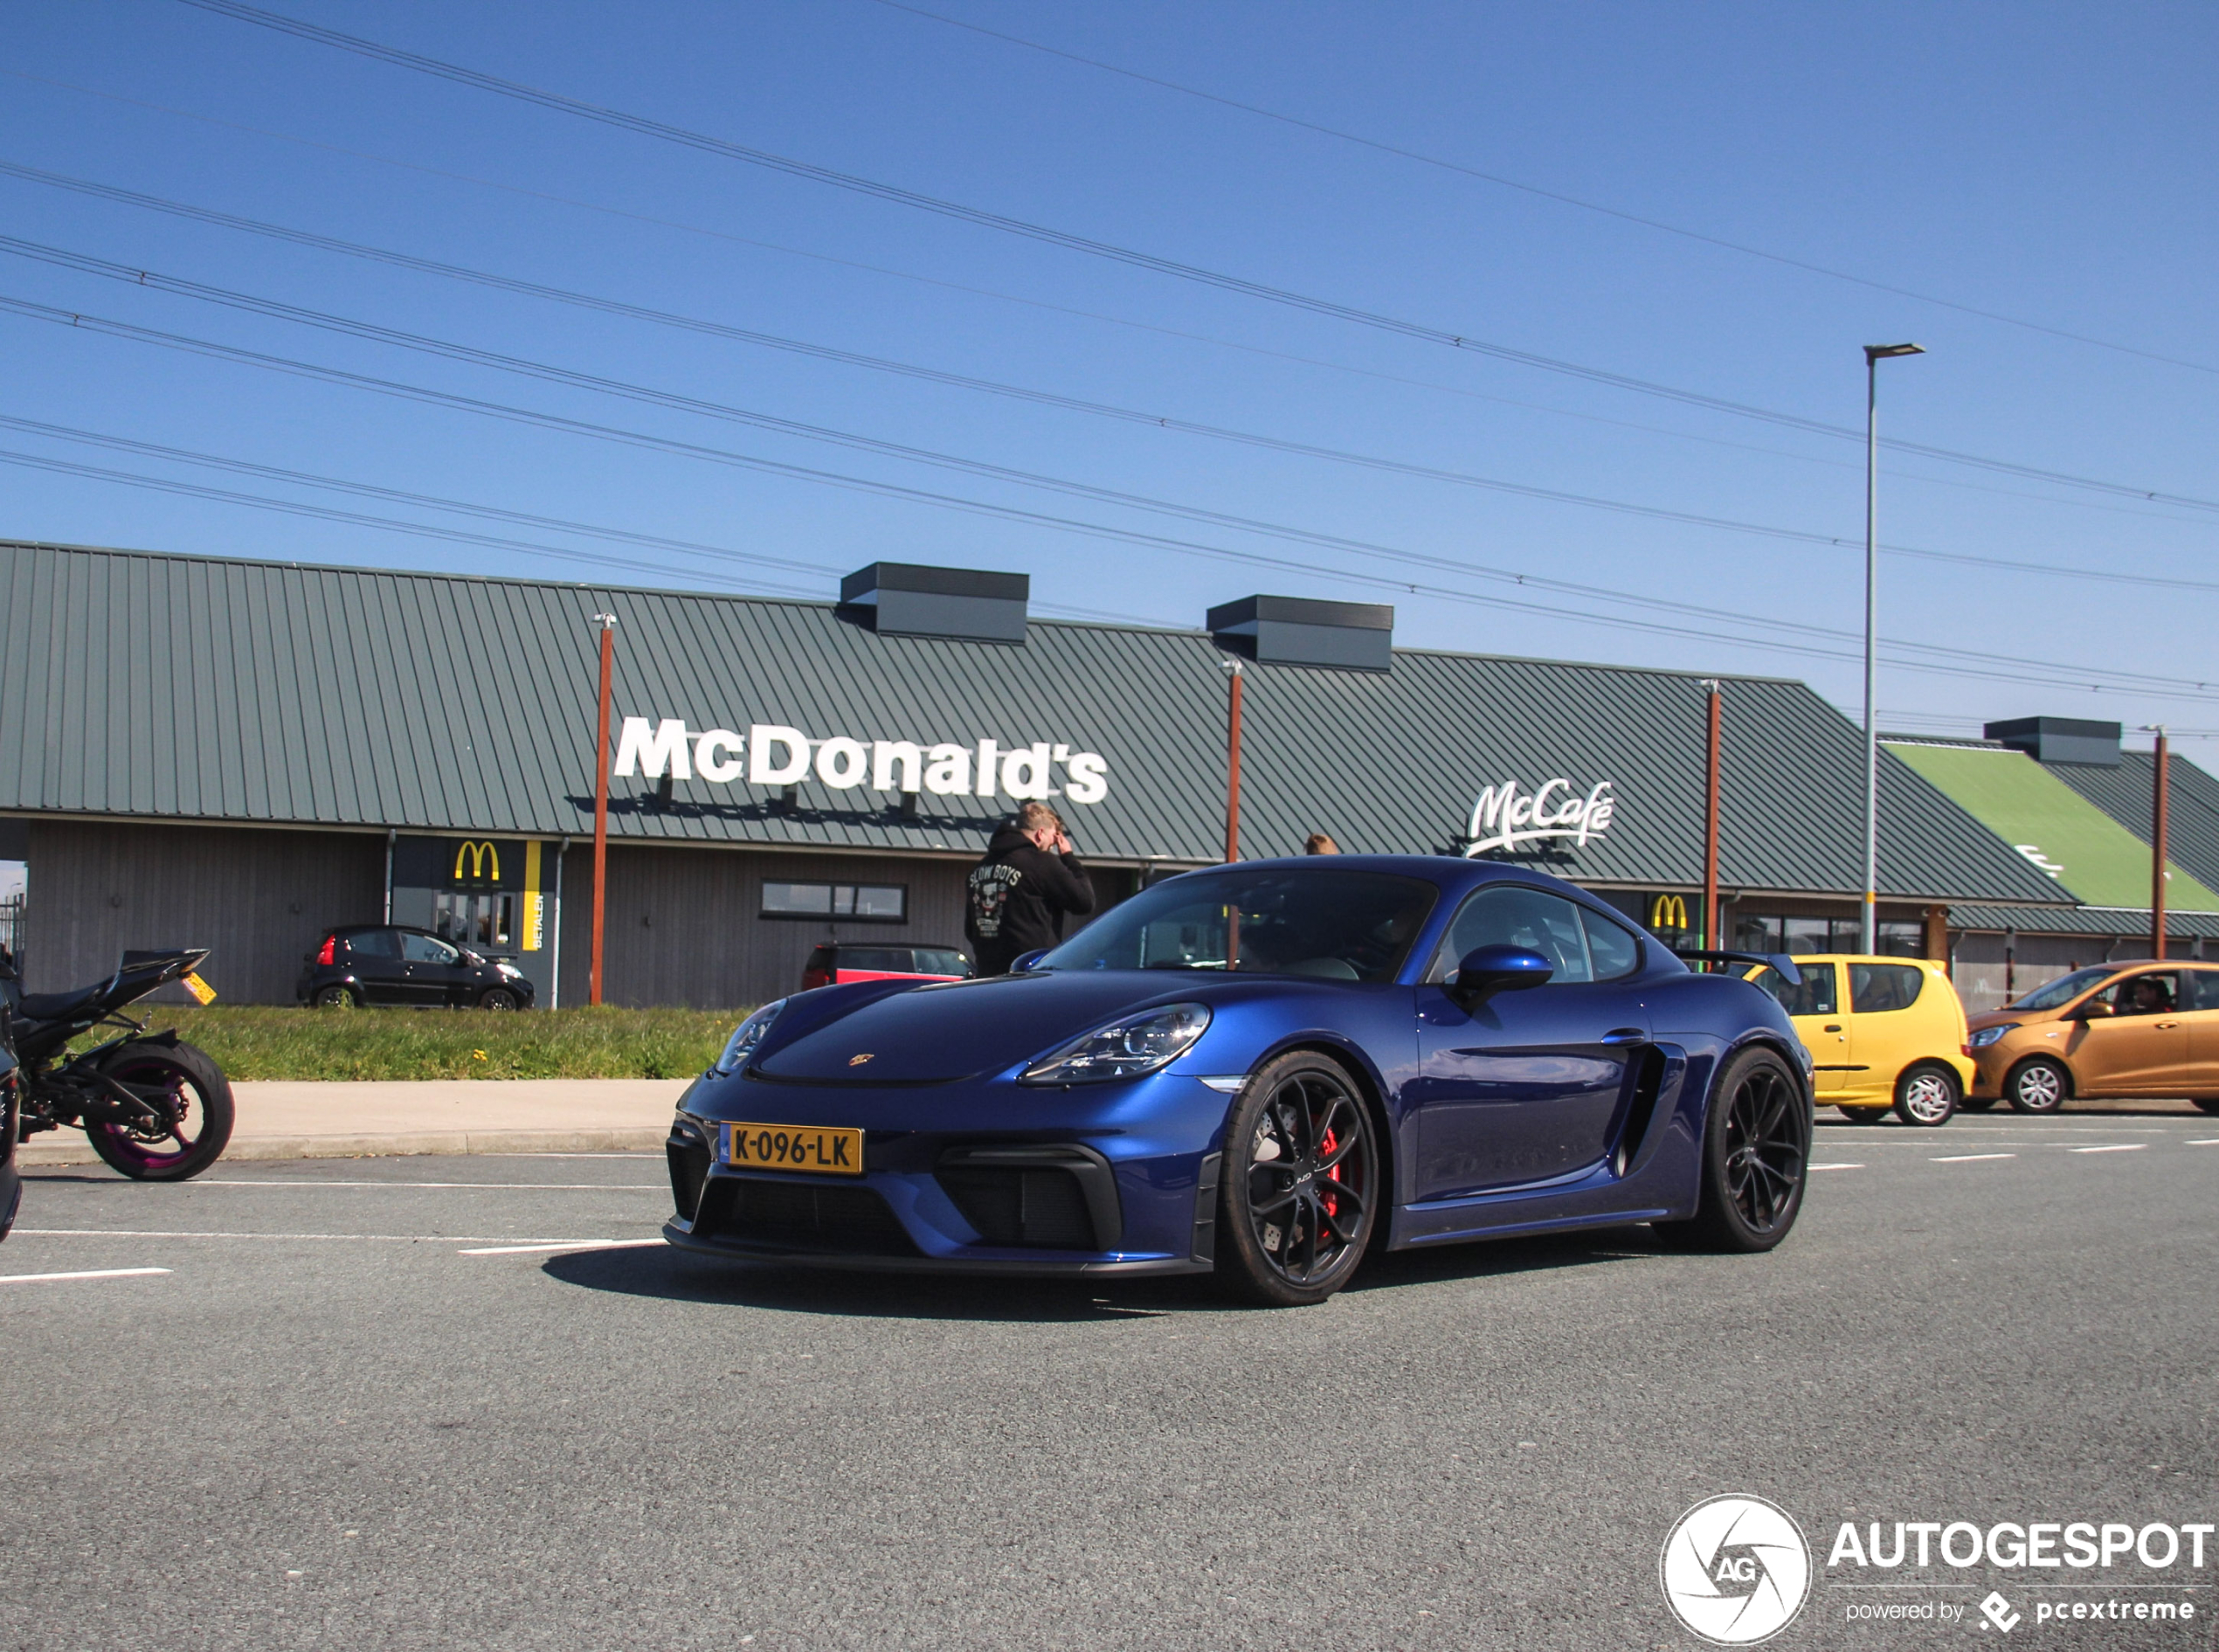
x=840 y=902
x=482 y=921
x=1762 y=932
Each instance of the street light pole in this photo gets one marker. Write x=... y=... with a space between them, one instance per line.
x=608 y=623
x=1868 y=928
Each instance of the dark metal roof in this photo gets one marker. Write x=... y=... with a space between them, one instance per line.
x=2192 y=816
x=2121 y=921
x=136 y=684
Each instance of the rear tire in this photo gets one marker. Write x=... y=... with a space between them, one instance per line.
x=334 y=997
x=1756 y=1149
x=1928 y=1095
x=188 y=1080
x=2037 y=1086
x=1302 y=1183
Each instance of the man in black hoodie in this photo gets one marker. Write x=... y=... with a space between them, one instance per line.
x=1019 y=894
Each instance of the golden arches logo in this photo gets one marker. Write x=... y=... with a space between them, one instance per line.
x=478 y=855
x=1667 y=912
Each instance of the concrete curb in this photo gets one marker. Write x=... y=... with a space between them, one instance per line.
x=74 y=1150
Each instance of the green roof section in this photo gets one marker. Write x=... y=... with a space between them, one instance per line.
x=2091 y=854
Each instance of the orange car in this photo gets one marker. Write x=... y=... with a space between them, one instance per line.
x=2140 y=1028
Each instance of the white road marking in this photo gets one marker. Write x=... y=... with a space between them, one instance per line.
x=563 y=1244
x=1966 y=1158
x=2127 y=1147
x=532 y=1187
x=2208 y=1141
x=390 y=1239
x=96 y=1273
x=1837 y=1167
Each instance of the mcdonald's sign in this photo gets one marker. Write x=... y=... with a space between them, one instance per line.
x=1667 y=912
x=480 y=853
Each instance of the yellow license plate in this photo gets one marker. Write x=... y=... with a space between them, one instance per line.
x=796 y=1147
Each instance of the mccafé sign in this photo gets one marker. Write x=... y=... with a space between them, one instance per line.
x=1507 y=816
x=773 y=754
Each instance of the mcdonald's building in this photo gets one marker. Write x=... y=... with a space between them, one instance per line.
x=241 y=754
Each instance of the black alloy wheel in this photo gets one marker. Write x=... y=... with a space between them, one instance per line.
x=1298 y=1198
x=1756 y=1151
x=2037 y=1086
x=497 y=997
x=335 y=996
x=192 y=1102
x=1928 y=1095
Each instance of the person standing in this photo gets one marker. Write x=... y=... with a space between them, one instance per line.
x=1017 y=896
x=1318 y=843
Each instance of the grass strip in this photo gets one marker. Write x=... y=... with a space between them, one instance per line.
x=261 y=1042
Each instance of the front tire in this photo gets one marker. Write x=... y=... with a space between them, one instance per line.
x=497 y=997
x=2038 y=1086
x=1303 y=1181
x=1928 y=1095
x=183 y=1082
x=1756 y=1149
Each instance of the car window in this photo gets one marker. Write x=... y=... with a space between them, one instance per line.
x=1814 y=996
x=941 y=960
x=1511 y=915
x=2151 y=993
x=1875 y=989
x=2061 y=990
x=374 y=943
x=1611 y=947
x=427 y=949
x=2202 y=986
x=892 y=959
x=1319 y=921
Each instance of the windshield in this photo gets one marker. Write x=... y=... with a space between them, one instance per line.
x=1338 y=926
x=2063 y=989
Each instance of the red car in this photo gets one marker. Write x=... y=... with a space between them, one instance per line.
x=839 y=961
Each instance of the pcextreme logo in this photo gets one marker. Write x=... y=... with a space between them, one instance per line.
x=1735 y=1570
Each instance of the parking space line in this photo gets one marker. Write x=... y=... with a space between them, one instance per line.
x=2117 y=1147
x=563 y=1244
x=530 y=1187
x=385 y=1239
x=94 y=1273
x=1837 y=1167
x=1966 y=1158
x=2208 y=1141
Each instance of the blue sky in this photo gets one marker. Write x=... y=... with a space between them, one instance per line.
x=2054 y=166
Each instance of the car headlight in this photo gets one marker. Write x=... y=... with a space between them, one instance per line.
x=1125 y=1049
x=745 y=1037
x=509 y=969
x=1987 y=1036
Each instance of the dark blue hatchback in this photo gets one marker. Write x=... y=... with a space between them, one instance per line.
x=1263 y=1069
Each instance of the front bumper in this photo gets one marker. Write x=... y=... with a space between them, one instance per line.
x=988 y=1181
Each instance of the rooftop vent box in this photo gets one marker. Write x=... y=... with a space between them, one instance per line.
x=1293 y=631
x=907 y=599
x=2059 y=740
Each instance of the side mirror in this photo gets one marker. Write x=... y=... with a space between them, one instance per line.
x=1489 y=969
x=1025 y=961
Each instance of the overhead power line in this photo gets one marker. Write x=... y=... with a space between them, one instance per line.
x=1907 y=652
x=1424 y=332
x=1042 y=397
x=1557 y=196
x=1262 y=352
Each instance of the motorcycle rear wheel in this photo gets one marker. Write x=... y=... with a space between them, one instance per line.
x=196 y=1085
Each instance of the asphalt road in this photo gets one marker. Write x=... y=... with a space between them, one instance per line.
x=348 y=1416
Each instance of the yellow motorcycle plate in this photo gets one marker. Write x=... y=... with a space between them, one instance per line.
x=808 y=1147
x=201 y=990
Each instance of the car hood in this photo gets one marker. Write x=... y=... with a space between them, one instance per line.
x=960 y=1029
x=2004 y=1017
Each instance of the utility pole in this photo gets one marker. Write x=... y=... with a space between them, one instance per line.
x=608 y=623
x=2160 y=811
x=1710 y=937
x=1234 y=672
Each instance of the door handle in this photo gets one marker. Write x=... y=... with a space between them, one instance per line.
x=1625 y=1035
x=1833 y=1026
x=2165 y=1025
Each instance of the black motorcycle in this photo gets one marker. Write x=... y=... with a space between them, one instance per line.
x=154 y=1108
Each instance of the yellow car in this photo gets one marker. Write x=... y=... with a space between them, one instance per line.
x=1883 y=1033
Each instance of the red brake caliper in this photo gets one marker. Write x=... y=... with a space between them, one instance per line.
x=1325 y=1150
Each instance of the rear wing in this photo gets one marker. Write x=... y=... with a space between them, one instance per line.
x=1778 y=961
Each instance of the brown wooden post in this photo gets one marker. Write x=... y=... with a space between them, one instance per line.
x=608 y=622
x=1711 y=826
x=1232 y=767
x=2160 y=800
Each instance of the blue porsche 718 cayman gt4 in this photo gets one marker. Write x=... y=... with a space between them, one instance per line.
x=1263 y=1069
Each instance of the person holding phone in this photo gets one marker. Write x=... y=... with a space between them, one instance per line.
x=1018 y=895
